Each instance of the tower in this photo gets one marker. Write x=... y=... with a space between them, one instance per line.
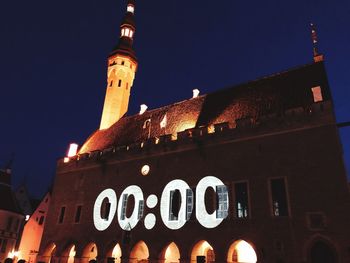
x=122 y=65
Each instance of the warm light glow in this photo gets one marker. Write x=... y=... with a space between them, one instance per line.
x=241 y=251
x=186 y=125
x=140 y=252
x=317 y=94
x=143 y=108
x=145 y=169
x=203 y=248
x=172 y=253
x=13 y=254
x=66 y=159
x=73 y=148
x=27 y=217
x=117 y=253
x=71 y=254
x=195 y=93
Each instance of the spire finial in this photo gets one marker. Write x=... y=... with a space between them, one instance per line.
x=317 y=56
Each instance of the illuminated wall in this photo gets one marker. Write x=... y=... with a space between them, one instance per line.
x=120 y=78
x=33 y=231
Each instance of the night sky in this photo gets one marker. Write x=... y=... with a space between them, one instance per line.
x=53 y=63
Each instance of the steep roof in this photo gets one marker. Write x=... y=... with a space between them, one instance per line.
x=7 y=199
x=272 y=94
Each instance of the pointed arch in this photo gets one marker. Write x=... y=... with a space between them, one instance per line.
x=139 y=252
x=322 y=251
x=203 y=248
x=49 y=252
x=90 y=252
x=68 y=254
x=170 y=253
x=241 y=251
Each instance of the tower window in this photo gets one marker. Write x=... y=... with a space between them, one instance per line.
x=123 y=62
x=111 y=83
x=127 y=86
x=61 y=216
x=127 y=31
x=241 y=200
x=119 y=83
x=130 y=9
x=279 y=197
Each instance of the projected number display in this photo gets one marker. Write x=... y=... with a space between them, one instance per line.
x=176 y=205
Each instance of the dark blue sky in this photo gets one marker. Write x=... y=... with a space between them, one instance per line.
x=53 y=63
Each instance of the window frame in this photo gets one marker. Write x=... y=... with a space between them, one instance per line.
x=234 y=209
x=286 y=186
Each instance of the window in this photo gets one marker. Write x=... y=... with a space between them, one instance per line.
x=279 y=197
x=127 y=86
x=127 y=31
x=106 y=208
x=189 y=203
x=241 y=200
x=61 y=216
x=9 y=223
x=119 y=83
x=175 y=202
x=141 y=208
x=317 y=94
x=130 y=9
x=3 y=246
x=77 y=214
x=111 y=83
x=124 y=204
x=41 y=221
x=222 y=197
x=123 y=63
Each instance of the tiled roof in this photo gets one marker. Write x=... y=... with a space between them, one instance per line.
x=272 y=94
x=7 y=199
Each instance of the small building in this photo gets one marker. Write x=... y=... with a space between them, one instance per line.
x=11 y=218
x=33 y=231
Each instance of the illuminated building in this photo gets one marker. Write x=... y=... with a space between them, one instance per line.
x=33 y=230
x=252 y=173
x=11 y=218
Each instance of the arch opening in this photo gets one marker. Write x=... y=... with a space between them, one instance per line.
x=90 y=252
x=139 y=253
x=322 y=252
x=203 y=248
x=116 y=253
x=49 y=252
x=171 y=253
x=71 y=254
x=241 y=251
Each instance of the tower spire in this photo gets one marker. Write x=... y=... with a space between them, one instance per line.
x=317 y=56
x=122 y=65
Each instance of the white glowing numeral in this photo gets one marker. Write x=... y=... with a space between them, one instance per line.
x=100 y=223
x=125 y=222
x=214 y=219
x=169 y=219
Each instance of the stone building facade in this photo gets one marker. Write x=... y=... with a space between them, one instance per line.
x=252 y=173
